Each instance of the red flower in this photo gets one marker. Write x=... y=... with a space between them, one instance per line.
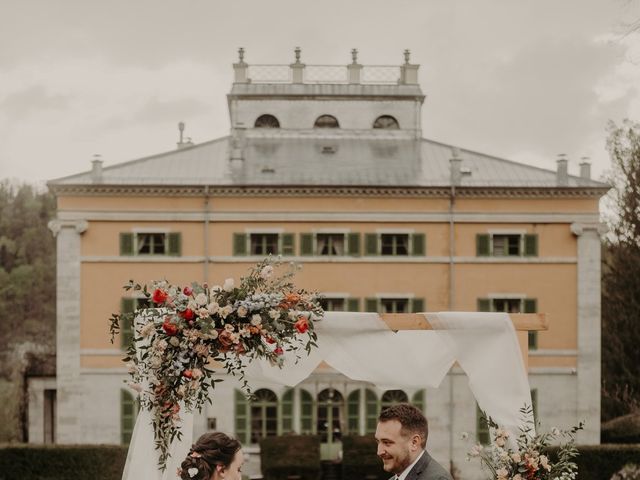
x=225 y=337
x=187 y=374
x=302 y=325
x=278 y=351
x=160 y=296
x=187 y=314
x=169 y=328
x=270 y=340
x=187 y=291
x=240 y=349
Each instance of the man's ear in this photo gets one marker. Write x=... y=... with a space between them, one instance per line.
x=416 y=441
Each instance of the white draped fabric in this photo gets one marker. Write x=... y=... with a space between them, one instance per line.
x=362 y=347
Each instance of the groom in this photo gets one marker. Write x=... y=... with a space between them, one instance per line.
x=402 y=437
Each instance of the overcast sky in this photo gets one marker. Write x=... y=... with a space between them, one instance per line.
x=524 y=80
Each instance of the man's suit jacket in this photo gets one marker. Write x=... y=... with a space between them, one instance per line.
x=428 y=469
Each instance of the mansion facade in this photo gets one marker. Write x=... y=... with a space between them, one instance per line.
x=327 y=166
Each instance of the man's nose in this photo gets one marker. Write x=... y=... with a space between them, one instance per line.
x=380 y=449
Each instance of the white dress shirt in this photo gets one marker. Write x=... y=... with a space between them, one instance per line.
x=406 y=471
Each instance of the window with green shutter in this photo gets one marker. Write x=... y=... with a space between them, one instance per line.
x=128 y=414
x=419 y=400
x=127 y=305
x=239 y=244
x=353 y=304
x=286 y=406
x=175 y=244
x=484 y=305
x=306 y=413
x=288 y=244
x=353 y=413
x=531 y=306
x=241 y=417
x=482 y=428
x=306 y=244
x=482 y=245
x=417 y=305
x=531 y=245
x=371 y=305
x=126 y=243
x=353 y=244
x=370 y=411
x=418 y=244
x=371 y=244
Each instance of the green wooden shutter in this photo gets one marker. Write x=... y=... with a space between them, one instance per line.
x=419 y=400
x=126 y=243
x=175 y=244
x=287 y=412
x=531 y=245
x=484 y=305
x=482 y=428
x=353 y=244
x=128 y=413
x=371 y=305
x=417 y=305
x=482 y=245
x=531 y=306
x=306 y=244
x=306 y=413
x=371 y=244
x=353 y=304
x=419 y=244
x=288 y=244
x=353 y=413
x=242 y=417
x=127 y=305
x=239 y=244
x=370 y=411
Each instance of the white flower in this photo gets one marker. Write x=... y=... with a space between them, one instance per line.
x=256 y=319
x=192 y=472
x=203 y=312
x=500 y=441
x=201 y=299
x=226 y=310
x=242 y=311
x=516 y=457
x=213 y=308
x=155 y=362
x=517 y=476
x=174 y=341
x=212 y=335
x=135 y=386
x=147 y=329
x=266 y=272
x=131 y=367
x=274 y=313
x=228 y=284
x=544 y=461
x=502 y=473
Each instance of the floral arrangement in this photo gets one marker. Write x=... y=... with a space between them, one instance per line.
x=185 y=329
x=525 y=458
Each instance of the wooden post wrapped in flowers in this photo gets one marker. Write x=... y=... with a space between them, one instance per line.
x=525 y=458
x=185 y=328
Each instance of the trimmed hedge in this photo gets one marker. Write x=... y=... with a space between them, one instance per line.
x=625 y=429
x=57 y=462
x=359 y=459
x=600 y=462
x=290 y=456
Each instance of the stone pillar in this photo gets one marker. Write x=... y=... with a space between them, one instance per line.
x=408 y=71
x=297 y=68
x=240 y=69
x=68 y=382
x=589 y=333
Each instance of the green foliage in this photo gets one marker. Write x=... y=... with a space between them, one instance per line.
x=98 y=462
x=359 y=459
x=600 y=462
x=620 y=279
x=624 y=429
x=299 y=455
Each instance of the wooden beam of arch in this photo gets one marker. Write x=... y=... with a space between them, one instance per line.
x=416 y=321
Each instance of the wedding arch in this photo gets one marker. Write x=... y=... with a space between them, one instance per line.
x=389 y=351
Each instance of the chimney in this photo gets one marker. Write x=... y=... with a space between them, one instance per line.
x=454 y=166
x=181 y=143
x=562 y=173
x=585 y=168
x=96 y=168
x=240 y=69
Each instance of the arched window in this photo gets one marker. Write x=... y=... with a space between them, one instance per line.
x=264 y=415
x=128 y=413
x=287 y=411
x=306 y=413
x=418 y=400
x=326 y=121
x=353 y=413
x=387 y=122
x=330 y=408
x=391 y=397
x=371 y=411
x=267 y=121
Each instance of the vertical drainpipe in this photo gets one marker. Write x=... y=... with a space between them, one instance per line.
x=454 y=170
x=206 y=234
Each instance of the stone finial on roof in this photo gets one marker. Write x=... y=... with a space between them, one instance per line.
x=407 y=54
x=354 y=56
x=241 y=55
x=297 y=52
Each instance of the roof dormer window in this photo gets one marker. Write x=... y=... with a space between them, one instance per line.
x=267 y=121
x=387 y=122
x=326 y=121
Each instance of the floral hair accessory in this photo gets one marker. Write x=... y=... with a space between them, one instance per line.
x=196 y=455
x=192 y=472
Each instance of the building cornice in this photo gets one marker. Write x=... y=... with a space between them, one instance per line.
x=325 y=191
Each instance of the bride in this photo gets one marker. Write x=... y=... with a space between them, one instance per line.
x=214 y=456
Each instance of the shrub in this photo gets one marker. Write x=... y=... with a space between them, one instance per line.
x=359 y=459
x=56 y=462
x=625 y=429
x=600 y=462
x=290 y=455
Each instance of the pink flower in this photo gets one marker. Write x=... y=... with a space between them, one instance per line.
x=187 y=291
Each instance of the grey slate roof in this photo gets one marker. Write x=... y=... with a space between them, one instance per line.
x=317 y=161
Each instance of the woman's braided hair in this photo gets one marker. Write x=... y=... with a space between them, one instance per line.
x=210 y=449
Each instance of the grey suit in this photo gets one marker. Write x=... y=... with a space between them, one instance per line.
x=428 y=469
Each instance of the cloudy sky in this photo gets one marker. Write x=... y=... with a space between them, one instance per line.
x=524 y=80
